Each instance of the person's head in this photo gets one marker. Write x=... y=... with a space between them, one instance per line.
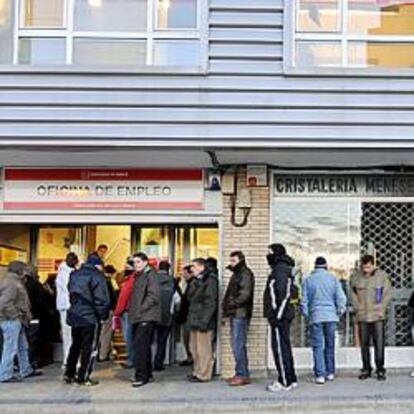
x=321 y=263
x=95 y=261
x=140 y=261
x=211 y=263
x=276 y=250
x=72 y=260
x=367 y=264
x=109 y=270
x=31 y=271
x=102 y=250
x=199 y=266
x=18 y=268
x=164 y=266
x=188 y=272
x=236 y=257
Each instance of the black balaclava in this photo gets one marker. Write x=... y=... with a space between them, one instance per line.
x=278 y=250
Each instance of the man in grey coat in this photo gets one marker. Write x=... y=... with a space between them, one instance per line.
x=144 y=314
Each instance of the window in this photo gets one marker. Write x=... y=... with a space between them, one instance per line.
x=117 y=33
x=353 y=34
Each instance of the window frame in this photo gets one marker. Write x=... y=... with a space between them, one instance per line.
x=68 y=32
x=291 y=36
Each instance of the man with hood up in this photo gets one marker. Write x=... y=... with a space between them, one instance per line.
x=280 y=313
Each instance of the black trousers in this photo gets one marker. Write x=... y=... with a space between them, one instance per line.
x=143 y=337
x=374 y=331
x=282 y=353
x=85 y=344
x=163 y=332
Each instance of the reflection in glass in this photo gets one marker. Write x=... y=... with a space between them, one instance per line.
x=318 y=15
x=43 y=13
x=318 y=54
x=381 y=54
x=177 y=52
x=6 y=31
x=381 y=17
x=42 y=51
x=155 y=242
x=108 y=52
x=177 y=14
x=204 y=242
x=111 y=15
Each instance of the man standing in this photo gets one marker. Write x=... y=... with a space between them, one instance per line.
x=324 y=301
x=144 y=314
x=280 y=312
x=14 y=316
x=371 y=294
x=202 y=317
x=89 y=307
x=63 y=302
x=238 y=306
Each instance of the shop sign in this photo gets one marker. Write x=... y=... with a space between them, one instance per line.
x=378 y=185
x=59 y=188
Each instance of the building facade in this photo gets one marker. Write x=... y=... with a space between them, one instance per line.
x=119 y=117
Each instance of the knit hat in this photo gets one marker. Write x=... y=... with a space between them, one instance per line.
x=320 y=263
x=94 y=260
x=278 y=249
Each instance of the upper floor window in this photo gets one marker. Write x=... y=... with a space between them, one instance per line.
x=353 y=34
x=101 y=32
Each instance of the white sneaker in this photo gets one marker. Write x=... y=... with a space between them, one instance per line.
x=277 y=387
x=295 y=385
x=330 y=377
x=412 y=375
x=320 y=380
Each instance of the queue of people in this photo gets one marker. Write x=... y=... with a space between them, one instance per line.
x=145 y=303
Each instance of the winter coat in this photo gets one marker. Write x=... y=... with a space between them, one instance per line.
x=89 y=297
x=185 y=302
x=279 y=289
x=238 y=299
x=125 y=294
x=145 y=303
x=323 y=297
x=14 y=301
x=62 y=282
x=371 y=295
x=167 y=289
x=203 y=302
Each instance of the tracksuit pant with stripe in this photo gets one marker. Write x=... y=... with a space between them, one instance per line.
x=282 y=353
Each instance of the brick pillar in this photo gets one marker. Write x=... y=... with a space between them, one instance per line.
x=253 y=240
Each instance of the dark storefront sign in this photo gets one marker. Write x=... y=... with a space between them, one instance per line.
x=381 y=185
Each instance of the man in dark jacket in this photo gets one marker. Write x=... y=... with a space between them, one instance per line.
x=280 y=312
x=167 y=289
x=202 y=317
x=144 y=313
x=238 y=306
x=89 y=307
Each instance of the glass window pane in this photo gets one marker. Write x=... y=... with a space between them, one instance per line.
x=111 y=15
x=6 y=31
x=176 y=52
x=318 y=54
x=42 y=51
x=318 y=15
x=177 y=14
x=43 y=13
x=384 y=55
x=109 y=52
x=386 y=17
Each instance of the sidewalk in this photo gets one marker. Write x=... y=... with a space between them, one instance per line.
x=172 y=394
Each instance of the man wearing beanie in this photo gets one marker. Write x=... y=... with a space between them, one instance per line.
x=89 y=307
x=15 y=315
x=280 y=313
x=324 y=302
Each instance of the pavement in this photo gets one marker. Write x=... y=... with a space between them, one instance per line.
x=171 y=393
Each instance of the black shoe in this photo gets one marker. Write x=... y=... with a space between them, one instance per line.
x=88 y=383
x=68 y=380
x=381 y=376
x=139 y=383
x=12 y=380
x=34 y=374
x=185 y=363
x=157 y=369
x=195 y=380
x=365 y=375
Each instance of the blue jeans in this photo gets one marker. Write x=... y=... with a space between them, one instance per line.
x=323 y=344
x=239 y=328
x=129 y=338
x=14 y=343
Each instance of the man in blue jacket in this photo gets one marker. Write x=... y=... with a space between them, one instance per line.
x=89 y=307
x=324 y=301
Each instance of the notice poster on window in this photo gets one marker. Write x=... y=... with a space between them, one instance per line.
x=130 y=189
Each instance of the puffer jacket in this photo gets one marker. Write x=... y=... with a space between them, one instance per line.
x=14 y=301
x=203 y=302
x=371 y=295
x=145 y=303
x=167 y=289
x=89 y=297
x=238 y=299
x=277 y=304
x=62 y=282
